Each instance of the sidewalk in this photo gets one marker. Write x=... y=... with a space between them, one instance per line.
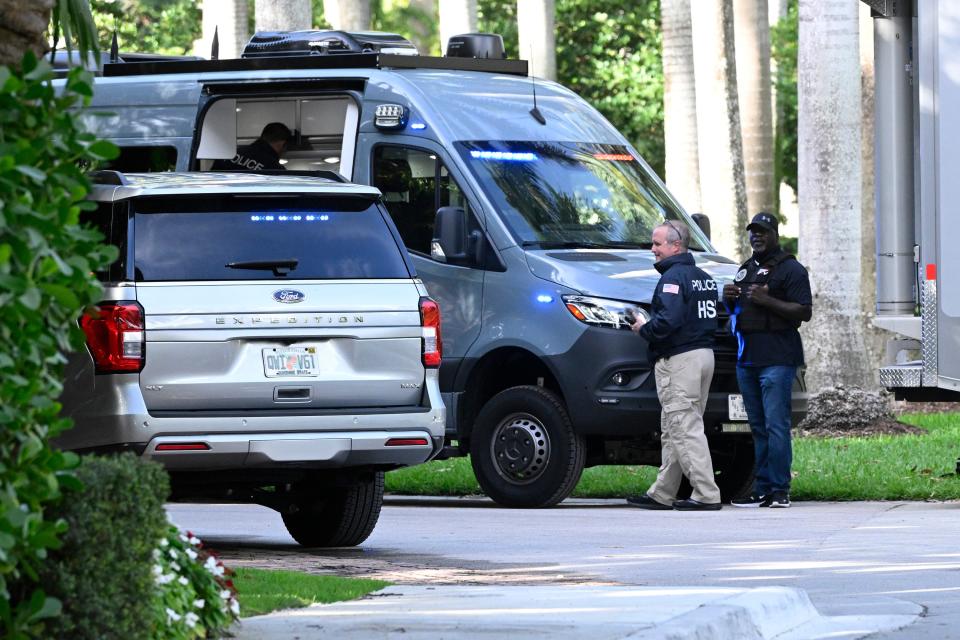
x=420 y=612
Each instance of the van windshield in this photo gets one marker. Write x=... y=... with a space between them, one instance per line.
x=571 y=194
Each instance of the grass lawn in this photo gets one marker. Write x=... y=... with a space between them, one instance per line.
x=261 y=591
x=905 y=467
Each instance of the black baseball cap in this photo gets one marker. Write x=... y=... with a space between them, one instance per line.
x=764 y=220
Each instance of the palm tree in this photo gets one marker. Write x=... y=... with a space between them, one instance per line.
x=228 y=19
x=23 y=27
x=829 y=166
x=537 y=36
x=348 y=15
x=722 y=183
x=456 y=17
x=752 y=29
x=283 y=15
x=680 y=104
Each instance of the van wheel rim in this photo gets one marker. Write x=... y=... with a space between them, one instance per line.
x=520 y=449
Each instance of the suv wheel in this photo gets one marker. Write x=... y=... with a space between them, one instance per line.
x=523 y=448
x=335 y=516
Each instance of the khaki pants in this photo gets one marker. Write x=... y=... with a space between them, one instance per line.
x=683 y=383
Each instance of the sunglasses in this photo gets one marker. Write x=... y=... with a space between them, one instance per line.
x=679 y=235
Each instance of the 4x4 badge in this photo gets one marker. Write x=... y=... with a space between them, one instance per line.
x=288 y=296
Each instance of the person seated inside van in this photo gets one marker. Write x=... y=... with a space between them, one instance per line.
x=261 y=154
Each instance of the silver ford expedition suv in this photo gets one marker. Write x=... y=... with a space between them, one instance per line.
x=265 y=338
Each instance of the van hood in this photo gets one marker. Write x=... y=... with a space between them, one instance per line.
x=618 y=274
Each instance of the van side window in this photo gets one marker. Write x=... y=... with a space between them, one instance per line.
x=141 y=159
x=415 y=183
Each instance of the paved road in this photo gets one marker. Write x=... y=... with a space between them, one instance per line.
x=851 y=558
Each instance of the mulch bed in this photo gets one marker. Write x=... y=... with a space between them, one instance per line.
x=824 y=423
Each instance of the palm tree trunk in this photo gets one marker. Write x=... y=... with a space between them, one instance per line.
x=23 y=27
x=347 y=15
x=537 y=40
x=680 y=104
x=829 y=165
x=229 y=19
x=752 y=28
x=456 y=17
x=722 y=183
x=283 y=15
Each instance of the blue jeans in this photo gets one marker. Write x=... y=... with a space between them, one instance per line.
x=766 y=396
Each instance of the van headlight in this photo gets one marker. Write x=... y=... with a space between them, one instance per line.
x=601 y=312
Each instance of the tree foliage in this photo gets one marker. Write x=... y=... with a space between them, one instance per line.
x=610 y=55
x=155 y=26
x=47 y=259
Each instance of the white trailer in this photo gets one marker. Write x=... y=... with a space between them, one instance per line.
x=917 y=136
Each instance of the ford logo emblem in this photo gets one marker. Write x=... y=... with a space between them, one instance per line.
x=288 y=296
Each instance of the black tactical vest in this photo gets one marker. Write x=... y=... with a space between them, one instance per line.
x=754 y=318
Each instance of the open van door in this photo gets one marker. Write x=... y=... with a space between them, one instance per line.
x=324 y=117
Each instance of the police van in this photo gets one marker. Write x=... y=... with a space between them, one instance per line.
x=527 y=215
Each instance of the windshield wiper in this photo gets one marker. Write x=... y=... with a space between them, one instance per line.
x=612 y=244
x=279 y=267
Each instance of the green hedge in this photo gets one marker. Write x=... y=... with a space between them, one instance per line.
x=102 y=574
x=47 y=260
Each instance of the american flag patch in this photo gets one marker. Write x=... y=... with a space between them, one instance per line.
x=671 y=288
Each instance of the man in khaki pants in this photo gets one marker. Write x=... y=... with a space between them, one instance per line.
x=680 y=335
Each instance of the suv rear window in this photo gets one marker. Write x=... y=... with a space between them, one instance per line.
x=244 y=238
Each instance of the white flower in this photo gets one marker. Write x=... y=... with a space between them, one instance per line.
x=183 y=580
x=173 y=554
x=175 y=566
x=157 y=570
x=199 y=602
x=166 y=578
x=225 y=594
x=195 y=541
x=163 y=543
x=191 y=619
x=192 y=554
x=172 y=615
x=212 y=566
x=183 y=538
x=156 y=554
x=235 y=607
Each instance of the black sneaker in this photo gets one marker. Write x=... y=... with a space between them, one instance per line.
x=780 y=500
x=753 y=500
x=646 y=502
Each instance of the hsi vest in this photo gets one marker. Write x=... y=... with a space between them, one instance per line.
x=753 y=318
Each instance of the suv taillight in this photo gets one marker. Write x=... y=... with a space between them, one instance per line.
x=430 y=321
x=115 y=336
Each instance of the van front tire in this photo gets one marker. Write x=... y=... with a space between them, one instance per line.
x=335 y=516
x=524 y=450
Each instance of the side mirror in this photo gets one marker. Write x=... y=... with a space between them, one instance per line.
x=703 y=222
x=451 y=243
x=449 y=235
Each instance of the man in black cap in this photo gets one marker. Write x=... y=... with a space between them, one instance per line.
x=769 y=299
x=261 y=154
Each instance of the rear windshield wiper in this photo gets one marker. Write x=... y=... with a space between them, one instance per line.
x=279 y=267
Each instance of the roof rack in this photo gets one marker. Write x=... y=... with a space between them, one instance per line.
x=372 y=60
x=108 y=176
x=313 y=42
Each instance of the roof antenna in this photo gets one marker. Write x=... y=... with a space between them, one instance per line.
x=535 y=112
x=215 y=47
x=114 y=48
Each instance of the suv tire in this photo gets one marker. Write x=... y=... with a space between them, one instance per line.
x=524 y=450
x=336 y=516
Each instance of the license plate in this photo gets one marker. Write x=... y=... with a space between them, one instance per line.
x=736 y=408
x=290 y=362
